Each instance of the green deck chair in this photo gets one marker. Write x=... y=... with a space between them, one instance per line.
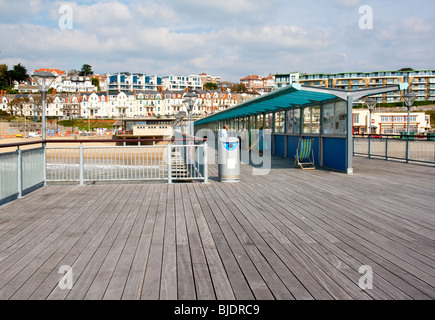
x=305 y=155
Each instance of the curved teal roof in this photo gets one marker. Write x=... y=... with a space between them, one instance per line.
x=285 y=98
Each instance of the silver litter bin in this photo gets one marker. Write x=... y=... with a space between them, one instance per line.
x=229 y=159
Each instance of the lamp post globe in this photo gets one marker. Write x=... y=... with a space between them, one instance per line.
x=371 y=103
x=409 y=99
x=190 y=100
x=44 y=80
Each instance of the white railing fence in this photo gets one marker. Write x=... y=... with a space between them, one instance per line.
x=390 y=148
x=21 y=172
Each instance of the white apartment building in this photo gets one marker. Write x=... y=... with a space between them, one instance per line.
x=130 y=82
x=192 y=82
x=126 y=104
x=389 y=122
x=286 y=79
x=74 y=84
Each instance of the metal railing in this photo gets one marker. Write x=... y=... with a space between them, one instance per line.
x=21 y=172
x=85 y=164
x=409 y=148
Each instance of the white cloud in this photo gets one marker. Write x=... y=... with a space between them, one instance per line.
x=231 y=38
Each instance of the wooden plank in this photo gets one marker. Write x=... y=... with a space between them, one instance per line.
x=203 y=282
x=185 y=281
x=297 y=243
x=151 y=284
x=69 y=253
x=326 y=246
x=219 y=276
x=133 y=287
x=168 y=284
x=118 y=281
x=57 y=250
x=24 y=255
x=101 y=281
x=80 y=256
x=239 y=284
x=321 y=211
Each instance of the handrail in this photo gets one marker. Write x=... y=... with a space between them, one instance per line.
x=400 y=136
x=20 y=144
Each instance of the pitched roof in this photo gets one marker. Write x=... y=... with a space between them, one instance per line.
x=56 y=71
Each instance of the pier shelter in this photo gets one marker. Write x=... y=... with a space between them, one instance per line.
x=321 y=114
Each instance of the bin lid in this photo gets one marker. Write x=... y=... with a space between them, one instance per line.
x=230 y=144
x=229 y=140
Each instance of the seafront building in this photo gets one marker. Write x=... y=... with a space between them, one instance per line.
x=192 y=82
x=130 y=82
x=421 y=82
x=389 y=122
x=114 y=104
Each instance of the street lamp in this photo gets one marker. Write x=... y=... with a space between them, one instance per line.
x=409 y=100
x=44 y=80
x=190 y=100
x=371 y=103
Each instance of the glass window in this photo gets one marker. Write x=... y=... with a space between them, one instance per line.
x=279 y=122
x=269 y=121
x=290 y=122
x=328 y=118
x=315 y=128
x=312 y=119
x=252 y=123
x=260 y=123
x=297 y=121
x=340 y=117
x=307 y=120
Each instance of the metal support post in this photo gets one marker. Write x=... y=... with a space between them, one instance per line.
x=82 y=165
x=169 y=156
x=205 y=162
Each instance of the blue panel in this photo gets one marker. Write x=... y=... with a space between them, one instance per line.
x=279 y=142
x=316 y=150
x=334 y=153
x=292 y=146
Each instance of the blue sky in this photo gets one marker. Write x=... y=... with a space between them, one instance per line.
x=230 y=38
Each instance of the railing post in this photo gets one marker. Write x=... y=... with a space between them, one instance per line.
x=82 y=165
x=386 y=148
x=44 y=160
x=353 y=145
x=169 y=156
x=20 y=173
x=205 y=159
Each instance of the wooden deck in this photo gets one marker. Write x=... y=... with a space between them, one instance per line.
x=292 y=234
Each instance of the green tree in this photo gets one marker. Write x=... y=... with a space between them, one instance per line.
x=86 y=70
x=238 y=87
x=406 y=69
x=211 y=86
x=96 y=83
x=18 y=73
x=4 y=81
